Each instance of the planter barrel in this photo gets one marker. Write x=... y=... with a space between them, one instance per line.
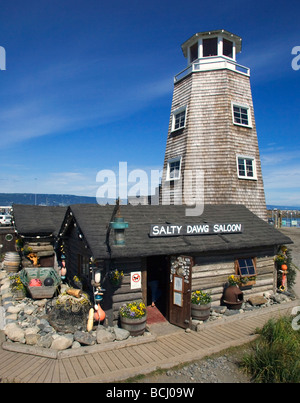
x=11 y=262
x=247 y=285
x=200 y=312
x=136 y=327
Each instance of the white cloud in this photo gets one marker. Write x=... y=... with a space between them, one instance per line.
x=281 y=175
x=37 y=115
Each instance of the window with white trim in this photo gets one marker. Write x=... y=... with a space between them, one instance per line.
x=246 y=267
x=246 y=167
x=179 y=118
x=241 y=115
x=173 y=169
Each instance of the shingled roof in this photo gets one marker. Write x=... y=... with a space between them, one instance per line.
x=38 y=220
x=93 y=221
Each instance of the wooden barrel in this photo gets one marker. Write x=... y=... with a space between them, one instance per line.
x=136 y=327
x=200 y=312
x=11 y=262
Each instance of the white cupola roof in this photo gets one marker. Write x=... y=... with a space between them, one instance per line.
x=212 y=43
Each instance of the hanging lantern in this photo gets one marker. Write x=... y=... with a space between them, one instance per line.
x=119 y=226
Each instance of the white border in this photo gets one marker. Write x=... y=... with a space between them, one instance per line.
x=254 y=178
x=179 y=110
x=168 y=168
x=239 y=105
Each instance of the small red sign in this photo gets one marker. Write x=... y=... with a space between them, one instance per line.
x=136 y=277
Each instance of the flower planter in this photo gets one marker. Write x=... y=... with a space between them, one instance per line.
x=249 y=284
x=232 y=297
x=200 y=312
x=136 y=327
x=19 y=294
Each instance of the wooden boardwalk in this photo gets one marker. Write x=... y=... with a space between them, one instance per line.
x=122 y=363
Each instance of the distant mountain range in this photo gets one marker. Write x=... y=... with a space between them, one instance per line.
x=7 y=199
x=272 y=207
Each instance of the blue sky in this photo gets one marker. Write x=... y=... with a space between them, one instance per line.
x=89 y=83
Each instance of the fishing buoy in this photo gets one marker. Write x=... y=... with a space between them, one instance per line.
x=99 y=315
x=90 y=321
x=97 y=276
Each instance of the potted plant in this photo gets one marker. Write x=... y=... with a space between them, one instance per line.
x=116 y=277
x=247 y=281
x=232 y=296
x=17 y=287
x=200 y=305
x=233 y=280
x=133 y=317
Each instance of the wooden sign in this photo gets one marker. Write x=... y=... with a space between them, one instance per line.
x=158 y=230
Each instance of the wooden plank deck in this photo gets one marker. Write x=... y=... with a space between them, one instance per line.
x=122 y=363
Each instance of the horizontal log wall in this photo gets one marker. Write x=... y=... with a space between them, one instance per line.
x=211 y=274
x=115 y=297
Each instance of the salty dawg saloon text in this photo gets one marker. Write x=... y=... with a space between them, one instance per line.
x=157 y=230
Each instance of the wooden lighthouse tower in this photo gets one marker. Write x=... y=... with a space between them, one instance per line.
x=212 y=148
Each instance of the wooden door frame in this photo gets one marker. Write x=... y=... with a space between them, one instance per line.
x=180 y=315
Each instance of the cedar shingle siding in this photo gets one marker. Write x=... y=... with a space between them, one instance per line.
x=210 y=141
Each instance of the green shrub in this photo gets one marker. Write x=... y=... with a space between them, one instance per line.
x=276 y=354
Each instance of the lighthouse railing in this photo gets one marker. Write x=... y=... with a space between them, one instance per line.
x=212 y=63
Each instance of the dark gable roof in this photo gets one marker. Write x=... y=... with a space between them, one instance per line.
x=94 y=219
x=38 y=220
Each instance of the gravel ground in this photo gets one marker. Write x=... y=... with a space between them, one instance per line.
x=222 y=368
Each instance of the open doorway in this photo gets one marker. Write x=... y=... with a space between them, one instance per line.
x=157 y=282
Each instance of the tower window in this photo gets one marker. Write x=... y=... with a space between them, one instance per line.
x=241 y=115
x=227 y=48
x=194 y=52
x=246 y=167
x=179 y=117
x=210 y=47
x=173 y=170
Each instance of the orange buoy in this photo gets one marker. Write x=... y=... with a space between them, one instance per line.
x=99 y=314
x=284 y=267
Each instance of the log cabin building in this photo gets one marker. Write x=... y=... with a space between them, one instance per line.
x=200 y=252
